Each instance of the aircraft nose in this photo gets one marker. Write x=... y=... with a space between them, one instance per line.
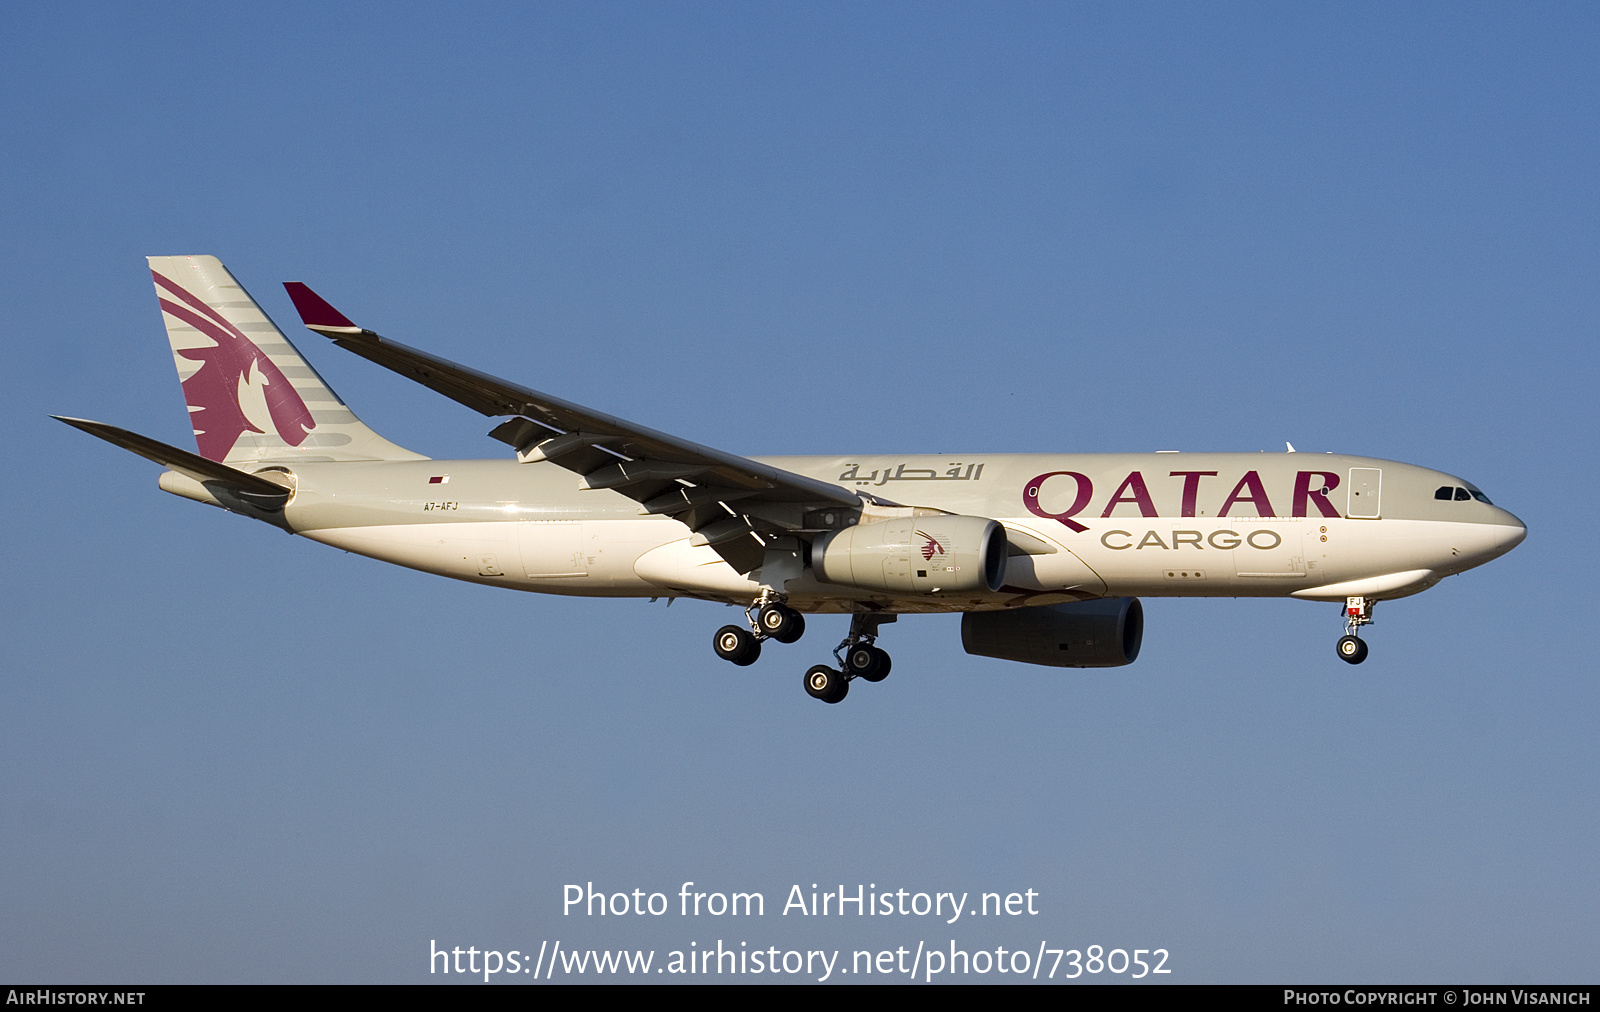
x=1489 y=539
x=1504 y=532
x=1512 y=532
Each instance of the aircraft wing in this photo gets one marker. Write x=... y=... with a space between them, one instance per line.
x=724 y=498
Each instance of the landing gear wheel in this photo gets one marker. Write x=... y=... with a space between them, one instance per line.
x=781 y=622
x=826 y=684
x=884 y=665
x=867 y=661
x=1352 y=649
x=737 y=645
x=860 y=660
x=798 y=631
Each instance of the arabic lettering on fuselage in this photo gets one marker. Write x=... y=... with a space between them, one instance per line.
x=1311 y=489
x=884 y=475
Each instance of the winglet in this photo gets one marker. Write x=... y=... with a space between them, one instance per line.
x=315 y=312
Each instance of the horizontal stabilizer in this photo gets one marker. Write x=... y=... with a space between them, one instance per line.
x=202 y=469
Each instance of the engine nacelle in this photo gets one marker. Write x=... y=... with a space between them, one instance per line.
x=915 y=555
x=1086 y=634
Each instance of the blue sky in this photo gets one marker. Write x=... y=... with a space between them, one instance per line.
x=230 y=755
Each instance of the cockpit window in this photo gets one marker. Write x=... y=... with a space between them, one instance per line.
x=1455 y=493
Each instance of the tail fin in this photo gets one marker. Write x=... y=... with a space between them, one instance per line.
x=251 y=397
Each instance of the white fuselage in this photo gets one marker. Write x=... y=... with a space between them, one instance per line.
x=1085 y=525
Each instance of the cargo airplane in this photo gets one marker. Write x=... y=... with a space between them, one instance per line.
x=1045 y=556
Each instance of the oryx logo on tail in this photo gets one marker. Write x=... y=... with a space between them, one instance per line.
x=233 y=374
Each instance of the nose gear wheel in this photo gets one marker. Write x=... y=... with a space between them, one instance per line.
x=1352 y=649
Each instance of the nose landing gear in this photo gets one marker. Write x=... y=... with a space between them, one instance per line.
x=1352 y=649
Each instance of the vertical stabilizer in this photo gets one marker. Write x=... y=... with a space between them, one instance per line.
x=251 y=397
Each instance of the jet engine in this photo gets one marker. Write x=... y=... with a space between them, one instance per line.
x=1104 y=633
x=917 y=555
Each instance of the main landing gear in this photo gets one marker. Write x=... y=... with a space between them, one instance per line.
x=768 y=618
x=858 y=654
x=1352 y=649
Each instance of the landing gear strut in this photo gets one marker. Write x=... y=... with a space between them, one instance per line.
x=1352 y=649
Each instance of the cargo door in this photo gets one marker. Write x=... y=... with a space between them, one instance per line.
x=552 y=548
x=1270 y=547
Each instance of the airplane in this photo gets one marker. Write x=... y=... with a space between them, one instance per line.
x=1044 y=555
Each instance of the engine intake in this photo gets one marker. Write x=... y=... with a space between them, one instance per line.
x=1105 y=633
x=917 y=555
